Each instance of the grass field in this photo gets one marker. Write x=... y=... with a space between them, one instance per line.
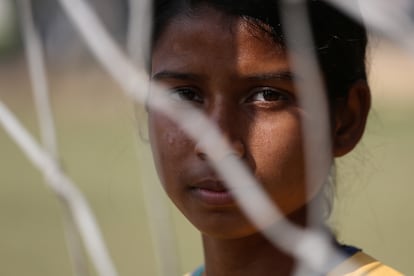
x=98 y=144
x=97 y=138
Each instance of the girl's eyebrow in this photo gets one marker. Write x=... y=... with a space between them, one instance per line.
x=174 y=75
x=282 y=75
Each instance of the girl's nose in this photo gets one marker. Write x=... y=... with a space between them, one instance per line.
x=237 y=149
x=230 y=131
x=225 y=115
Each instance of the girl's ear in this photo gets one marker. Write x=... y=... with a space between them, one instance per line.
x=350 y=118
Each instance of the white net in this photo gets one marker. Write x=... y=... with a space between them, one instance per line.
x=129 y=71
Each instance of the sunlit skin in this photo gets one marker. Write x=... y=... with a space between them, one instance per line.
x=242 y=81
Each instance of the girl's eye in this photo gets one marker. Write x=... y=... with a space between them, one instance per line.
x=267 y=94
x=187 y=94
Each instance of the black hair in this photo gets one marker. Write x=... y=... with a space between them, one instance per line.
x=340 y=42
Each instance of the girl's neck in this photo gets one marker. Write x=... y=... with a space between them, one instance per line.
x=251 y=255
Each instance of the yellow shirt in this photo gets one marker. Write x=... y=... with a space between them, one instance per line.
x=360 y=264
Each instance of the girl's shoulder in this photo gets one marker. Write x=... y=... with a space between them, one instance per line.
x=363 y=264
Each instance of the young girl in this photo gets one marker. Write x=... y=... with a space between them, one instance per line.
x=229 y=60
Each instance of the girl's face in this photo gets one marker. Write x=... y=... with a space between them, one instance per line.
x=242 y=81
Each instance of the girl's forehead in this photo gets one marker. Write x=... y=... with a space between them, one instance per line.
x=210 y=32
x=201 y=21
x=207 y=19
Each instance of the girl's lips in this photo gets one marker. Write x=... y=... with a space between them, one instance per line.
x=212 y=192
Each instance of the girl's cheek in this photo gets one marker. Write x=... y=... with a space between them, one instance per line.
x=168 y=140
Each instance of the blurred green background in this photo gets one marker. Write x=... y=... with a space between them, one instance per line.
x=104 y=150
x=99 y=147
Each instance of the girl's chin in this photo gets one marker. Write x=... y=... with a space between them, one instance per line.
x=222 y=226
